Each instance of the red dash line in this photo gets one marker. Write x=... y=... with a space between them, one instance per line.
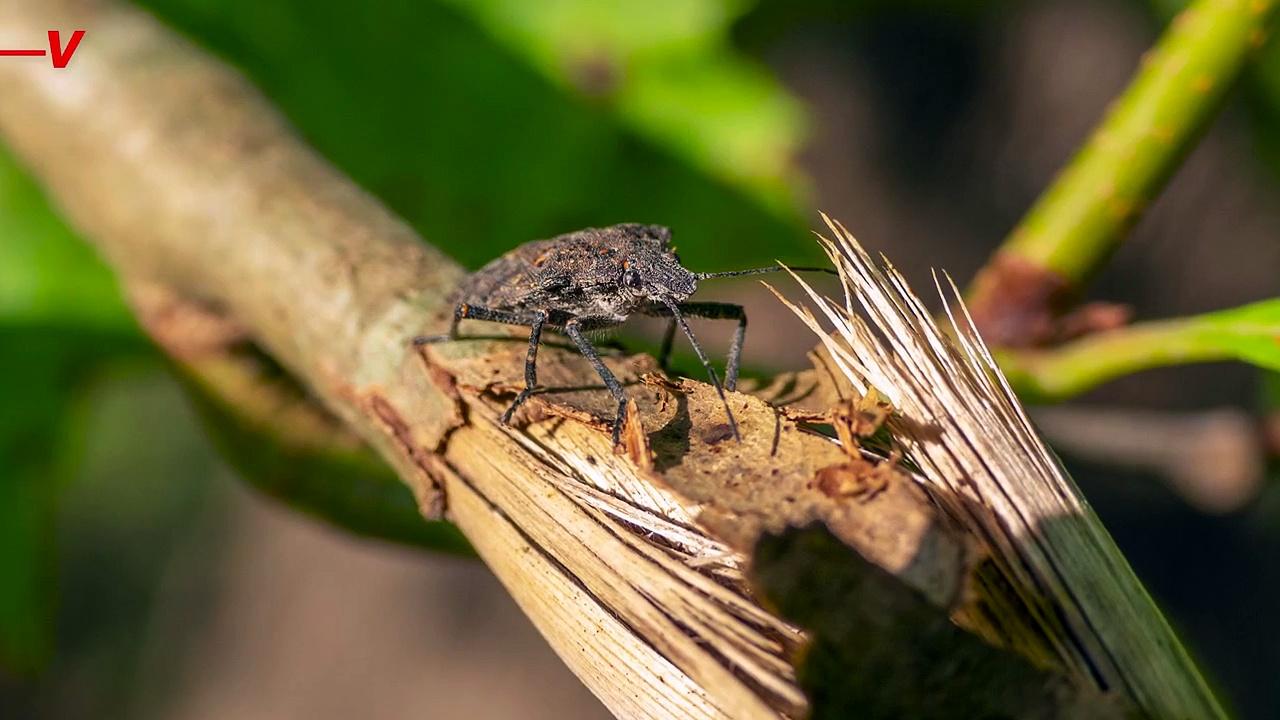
x=23 y=53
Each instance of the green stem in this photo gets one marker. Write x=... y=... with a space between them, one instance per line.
x=1076 y=367
x=1018 y=298
x=1179 y=87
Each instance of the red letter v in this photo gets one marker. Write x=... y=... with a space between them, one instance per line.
x=62 y=56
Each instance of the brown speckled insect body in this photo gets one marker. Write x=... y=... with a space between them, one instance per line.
x=590 y=280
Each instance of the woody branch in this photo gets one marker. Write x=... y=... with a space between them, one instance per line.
x=215 y=216
x=223 y=228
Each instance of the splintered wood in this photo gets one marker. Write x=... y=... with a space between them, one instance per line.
x=1053 y=585
x=658 y=536
x=631 y=565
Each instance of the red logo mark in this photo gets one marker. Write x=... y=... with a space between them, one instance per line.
x=61 y=55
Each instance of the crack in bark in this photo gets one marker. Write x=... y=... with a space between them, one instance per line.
x=224 y=203
x=433 y=504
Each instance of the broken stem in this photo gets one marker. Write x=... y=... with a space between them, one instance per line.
x=183 y=176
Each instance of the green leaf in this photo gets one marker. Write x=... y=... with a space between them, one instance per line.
x=474 y=133
x=667 y=70
x=60 y=316
x=1250 y=333
x=41 y=371
x=47 y=274
x=290 y=448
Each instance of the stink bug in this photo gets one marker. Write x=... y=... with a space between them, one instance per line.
x=594 y=279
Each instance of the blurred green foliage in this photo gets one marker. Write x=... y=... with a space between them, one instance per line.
x=265 y=426
x=47 y=275
x=476 y=121
x=34 y=432
x=478 y=130
x=1250 y=334
x=665 y=70
x=485 y=123
x=141 y=524
x=60 y=315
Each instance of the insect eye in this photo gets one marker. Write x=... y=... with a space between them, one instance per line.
x=631 y=279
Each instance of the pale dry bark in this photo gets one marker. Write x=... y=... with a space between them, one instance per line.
x=1055 y=585
x=632 y=567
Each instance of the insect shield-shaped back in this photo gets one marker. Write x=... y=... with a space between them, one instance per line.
x=616 y=271
x=594 y=279
x=598 y=272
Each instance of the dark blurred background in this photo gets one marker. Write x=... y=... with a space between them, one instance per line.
x=140 y=578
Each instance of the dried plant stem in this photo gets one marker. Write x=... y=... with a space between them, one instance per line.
x=1093 y=202
x=1076 y=603
x=632 y=566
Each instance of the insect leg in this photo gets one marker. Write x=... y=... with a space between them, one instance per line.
x=668 y=339
x=476 y=312
x=711 y=372
x=574 y=329
x=530 y=365
x=724 y=311
x=711 y=311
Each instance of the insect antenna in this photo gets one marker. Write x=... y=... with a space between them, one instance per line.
x=761 y=271
x=715 y=380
